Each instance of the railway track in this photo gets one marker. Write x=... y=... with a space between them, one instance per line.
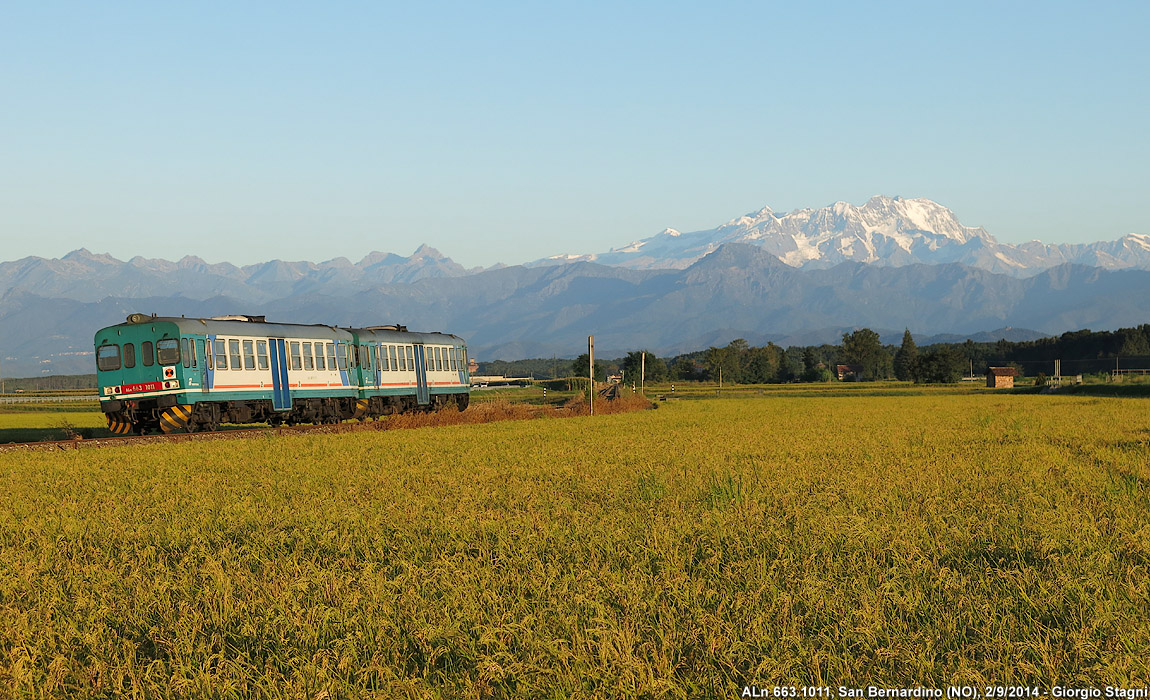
x=473 y=415
x=238 y=434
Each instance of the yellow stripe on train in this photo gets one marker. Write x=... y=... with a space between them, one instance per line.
x=175 y=418
x=360 y=409
x=119 y=426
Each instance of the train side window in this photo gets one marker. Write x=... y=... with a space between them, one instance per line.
x=168 y=351
x=296 y=362
x=221 y=355
x=375 y=355
x=200 y=353
x=185 y=351
x=410 y=357
x=435 y=364
x=365 y=356
x=319 y=356
x=331 y=356
x=454 y=359
x=147 y=354
x=108 y=358
x=234 y=354
x=402 y=358
x=249 y=354
x=129 y=355
x=440 y=359
x=341 y=353
x=262 y=354
x=466 y=363
x=390 y=350
x=308 y=358
x=192 y=352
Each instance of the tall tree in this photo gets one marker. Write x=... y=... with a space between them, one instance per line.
x=633 y=366
x=906 y=358
x=581 y=364
x=943 y=365
x=762 y=364
x=864 y=348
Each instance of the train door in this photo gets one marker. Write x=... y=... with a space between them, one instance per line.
x=204 y=353
x=421 y=395
x=281 y=394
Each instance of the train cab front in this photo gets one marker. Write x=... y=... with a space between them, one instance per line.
x=138 y=376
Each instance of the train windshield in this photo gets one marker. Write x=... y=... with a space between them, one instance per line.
x=108 y=358
x=168 y=351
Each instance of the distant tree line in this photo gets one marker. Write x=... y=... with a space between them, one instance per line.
x=51 y=382
x=1081 y=352
x=865 y=358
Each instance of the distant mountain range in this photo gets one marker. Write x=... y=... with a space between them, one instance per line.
x=888 y=231
x=801 y=278
x=85 y=276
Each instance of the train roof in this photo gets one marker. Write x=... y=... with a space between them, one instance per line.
x=241 y=325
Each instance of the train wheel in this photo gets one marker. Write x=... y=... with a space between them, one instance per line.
x=204 y=419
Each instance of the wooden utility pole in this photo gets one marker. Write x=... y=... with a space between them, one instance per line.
x=591 y=371
x=643 y=371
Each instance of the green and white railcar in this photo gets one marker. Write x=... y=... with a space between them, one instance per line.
x=166 y=373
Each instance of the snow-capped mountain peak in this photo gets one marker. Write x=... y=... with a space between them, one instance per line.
x=884 y=230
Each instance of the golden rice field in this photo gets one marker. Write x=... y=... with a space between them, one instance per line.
x=935 y=538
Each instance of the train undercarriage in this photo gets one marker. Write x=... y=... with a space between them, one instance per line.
x=165 y=415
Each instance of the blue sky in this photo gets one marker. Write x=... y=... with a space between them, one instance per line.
x=511 y=131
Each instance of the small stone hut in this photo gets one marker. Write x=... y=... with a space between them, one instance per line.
x=1000 y=377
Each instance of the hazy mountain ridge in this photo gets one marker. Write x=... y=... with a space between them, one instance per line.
x=739 y=290
x=887 y=231
x=85 y=276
